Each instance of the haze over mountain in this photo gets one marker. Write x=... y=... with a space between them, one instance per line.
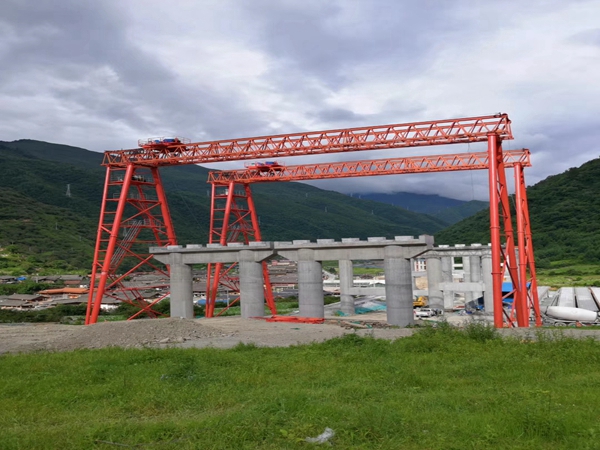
x=449 y=210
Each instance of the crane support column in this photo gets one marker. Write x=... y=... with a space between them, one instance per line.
x=495 y=232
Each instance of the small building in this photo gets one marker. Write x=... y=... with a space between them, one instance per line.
x=26 y=297
x=7 y=279
x=7 y=303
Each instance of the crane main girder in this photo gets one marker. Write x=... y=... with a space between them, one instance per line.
x=346 y=169
x=416 y=134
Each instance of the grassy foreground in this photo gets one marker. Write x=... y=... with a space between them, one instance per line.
x=440 y=389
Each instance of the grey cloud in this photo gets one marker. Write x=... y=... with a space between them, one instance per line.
x=307 y=39
x=76 y=70
x=65 y=42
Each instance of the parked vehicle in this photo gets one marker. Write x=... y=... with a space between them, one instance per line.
x=424 y=312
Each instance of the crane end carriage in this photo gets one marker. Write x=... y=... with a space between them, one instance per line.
x=264 y=168
x=163 y=144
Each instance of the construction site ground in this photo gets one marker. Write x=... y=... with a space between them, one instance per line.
x=225 y=332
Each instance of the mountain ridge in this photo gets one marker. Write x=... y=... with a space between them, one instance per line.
x=564 y=214
x=37 y=173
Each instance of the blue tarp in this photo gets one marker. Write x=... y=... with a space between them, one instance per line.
x=202 y=302
x=507 y=287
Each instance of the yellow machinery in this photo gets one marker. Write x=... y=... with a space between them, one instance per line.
x=420 y=302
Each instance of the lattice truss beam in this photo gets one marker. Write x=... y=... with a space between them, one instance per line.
x=166 y=152
x=347 y=169
x=233 y=218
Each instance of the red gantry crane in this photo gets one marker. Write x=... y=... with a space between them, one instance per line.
x=230 y=188
x=135 y=214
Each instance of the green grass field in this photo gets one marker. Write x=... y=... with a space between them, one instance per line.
x=440 y=389
x=564 y=274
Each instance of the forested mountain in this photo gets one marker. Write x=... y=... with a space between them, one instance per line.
x=40 y=226
x=564 y=213
x=448 y=210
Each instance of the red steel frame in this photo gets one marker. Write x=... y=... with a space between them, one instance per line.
x=390 y=166
x=232 y=219
x=504 y=257
x=525 y=245
x=128 y=204
x=381 y=137
x=437 y=163
x=131 y=209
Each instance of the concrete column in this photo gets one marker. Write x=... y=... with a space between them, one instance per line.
x=486 y=275
x=310 y=285
x=476 y=273
x=346 y=272
x=182 y=294
x=252 y=291
x=467 y=277
x=434 y=277
x=398 y=288
x=448 y=295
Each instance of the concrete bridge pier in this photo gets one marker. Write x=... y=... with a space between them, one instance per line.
x=346 y=273
x=488 y=294
x=252 y=293
x=310 y=284
x=434 y=278
x=182 y=295
x=398 y=287
x=466 y=263
x=447 y=262
x=475 y=262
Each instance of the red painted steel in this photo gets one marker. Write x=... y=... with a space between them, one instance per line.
x=411 y=164
x=416 y=134
x=437 y=163
x=504 y=257
x=235 y=221
x=97 y=263
x=497 y=274
x=525 y=245
x=134 y=215
x=111 y=250
x=509 y=252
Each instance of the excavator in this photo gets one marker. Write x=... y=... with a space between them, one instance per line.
x=420 y=302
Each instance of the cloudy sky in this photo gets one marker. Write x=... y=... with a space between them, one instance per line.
x=102 y=74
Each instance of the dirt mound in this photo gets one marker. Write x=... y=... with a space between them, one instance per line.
x=221 y=332
x=135 y=333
